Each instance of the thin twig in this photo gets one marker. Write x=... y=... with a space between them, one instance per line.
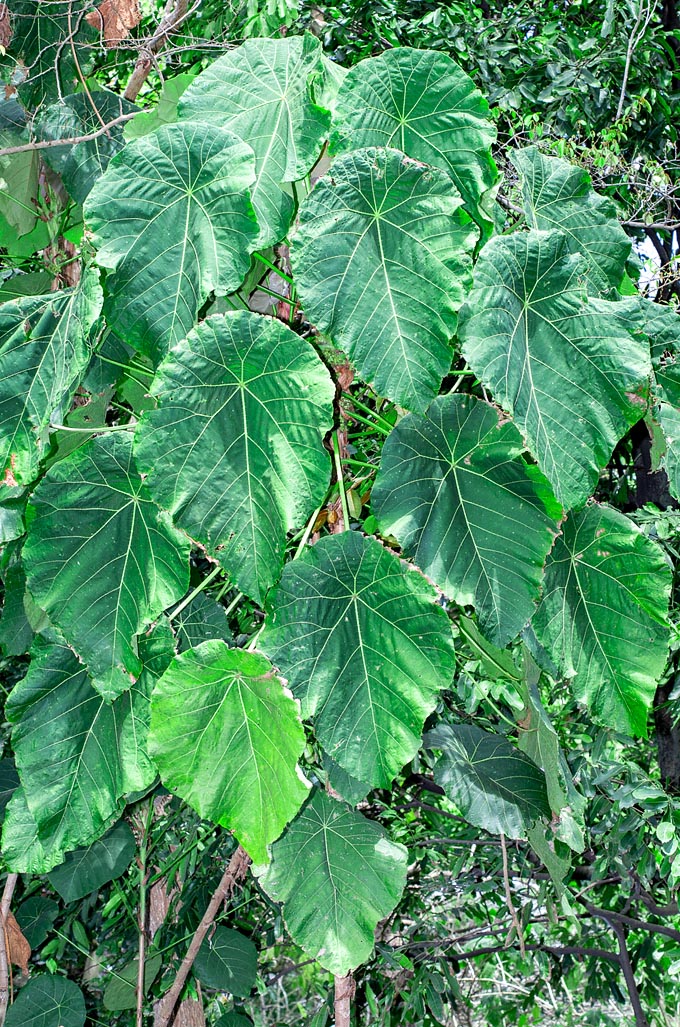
x=635 y=38
x=508 y=897
x=83 y=82
x=70 y=140
x=233 y=875
x=7 y=894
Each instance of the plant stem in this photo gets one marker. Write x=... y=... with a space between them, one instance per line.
x=274 y=268
x=341 y=480
x=344 y=993
x=143 y=881
x=7 y=894
x=199 y=588
x=367 y=410
x=233 y=875
x=307 y=532
x=353 y=416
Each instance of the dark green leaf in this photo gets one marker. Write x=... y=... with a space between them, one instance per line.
x=47 y=1001
x=563 y=367
x=261 y=91
x=200 y=621
x=493 y=784
x=235 y=451
x=382 y=262
x=172 y=219
x=85 y=870
x=227 y=961
x=453 y=490
x=121 y=991
x=336 y=874
x=101 y=559
x=36 y=918
x=365 y=648
x=603 y=616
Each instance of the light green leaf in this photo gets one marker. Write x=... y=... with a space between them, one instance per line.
x=420 y=102
x=47 y=1001
x=564 y=367
x=226 y=738
x=336 y=874
x=382 y=263
x=235 y=450
x=493 y=784
x=80 y=165
x=496 y=663
x=172 y=219
x=557 y=194
x=227 y=961
x=538 y=739
x=603 y=616
x=85 y=870
x=165 y=111
x=71 y=772
x=22 y=851
x=668 y=417
x=101 y=559
x=44 y=350
x=366 y=649
x=454 y=491
x=18 y=184
x=262 y=92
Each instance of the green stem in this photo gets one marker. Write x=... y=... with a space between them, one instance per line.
x=127 y=367
x=234 y=603
x=353 y=416
x=359 y=463
x=341 y=480
x=192 y=595
x=273 y=267
x=367 y=410
x=308 y=531
x=99 y=430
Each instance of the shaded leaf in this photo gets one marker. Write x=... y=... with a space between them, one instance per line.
x=101 y=559
x=235 y=449
x=337 y=874
x=423 y=103
x=227 y=961
x=493 y=784
x=563 y=367
x=603 y=616
x=453 y=490
x=382 y=262
x=81 y=164
x=121 y=991
x=262 y=92
x=200 y=621
x=557 y=194
x=44 y=349
x=366 y=649
x=85 y=870
x=226 y=738
x=47 y=1001
x=172 y=222
x=36 y=918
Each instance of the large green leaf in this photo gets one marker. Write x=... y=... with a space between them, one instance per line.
x=262 y=92
x=423 y=103
x=44 y=350
x=22 y=851
x=68 y=742
x=603 y=616
x=172 y=219
x=565 y=368
x=18 y=184
x=47 y=1001
x=235 y=450
x=337 y=874
x=226 y=738
x=101 y=558
x=493 y=784
x=79 y=165
x=364 y=646
x=85 y=870
x=227 y=961
x=382 y=262
x=558 y=194
x=478 y=520
x=40 y=58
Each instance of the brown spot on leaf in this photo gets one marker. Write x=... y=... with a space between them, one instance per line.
x=115 y=19
x=9 y=480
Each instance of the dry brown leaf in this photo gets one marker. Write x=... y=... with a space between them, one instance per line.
x=5 y=26
x=115 y=19
x=19 y=950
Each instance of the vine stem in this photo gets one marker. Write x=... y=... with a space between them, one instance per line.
x=341 y=480
x=508 y=897
x=192 y=595
x=237 y=869
x=7 y=894
x=143 y=883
